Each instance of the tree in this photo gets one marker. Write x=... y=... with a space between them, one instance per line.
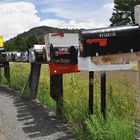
x=123 y=12
x=20 y=43
x=32 y=39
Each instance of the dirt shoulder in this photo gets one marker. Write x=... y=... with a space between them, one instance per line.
x=24 y=120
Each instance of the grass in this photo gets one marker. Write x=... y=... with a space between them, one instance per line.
x=120 y=103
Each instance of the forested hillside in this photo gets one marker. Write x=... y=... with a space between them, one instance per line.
x=22 y=41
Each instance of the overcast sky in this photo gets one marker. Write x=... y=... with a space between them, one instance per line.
x=18 y=16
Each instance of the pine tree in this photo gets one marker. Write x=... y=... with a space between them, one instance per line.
x=123 y=12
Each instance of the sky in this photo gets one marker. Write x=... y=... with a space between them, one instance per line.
x=19 y=16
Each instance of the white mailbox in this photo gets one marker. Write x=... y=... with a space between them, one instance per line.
x=62 y=47
x=36 y=52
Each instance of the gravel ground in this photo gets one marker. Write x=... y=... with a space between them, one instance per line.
x=24 y=120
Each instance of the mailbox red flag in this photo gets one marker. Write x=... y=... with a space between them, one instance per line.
x=102 y=42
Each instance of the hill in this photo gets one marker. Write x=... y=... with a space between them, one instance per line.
x=22 y=41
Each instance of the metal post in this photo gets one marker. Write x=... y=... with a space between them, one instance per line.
x=103 y=94
x=56 y=91
x=91 y=94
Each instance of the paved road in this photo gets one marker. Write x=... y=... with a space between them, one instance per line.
x=23 y=120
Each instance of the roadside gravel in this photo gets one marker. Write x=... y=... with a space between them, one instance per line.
x=24 y=120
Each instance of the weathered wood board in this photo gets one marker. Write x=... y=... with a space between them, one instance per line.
x=107 y=59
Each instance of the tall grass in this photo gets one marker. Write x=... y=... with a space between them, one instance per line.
x=120 y=103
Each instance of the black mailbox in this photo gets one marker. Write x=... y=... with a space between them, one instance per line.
x=112 y=40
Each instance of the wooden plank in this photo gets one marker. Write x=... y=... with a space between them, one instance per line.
x=7 y=71
x=29 y=90
x=56 y=91
x=91 y=92
x=103 y=94
x=138 y=74
x=34 y=79
x=107 y=59
x=137 y=113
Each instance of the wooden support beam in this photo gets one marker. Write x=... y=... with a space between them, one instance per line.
x=91 y=92
x=138 y=75
x=29 y=90
x=56 y=91
x=7 y=71
x=34 y=79
x=137 y=113
x=103 y=94
x=107 y=59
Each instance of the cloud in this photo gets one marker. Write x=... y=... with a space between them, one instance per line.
x=71 y=24
x=72 y=10
x=53 y=1
x=108 y=6
x=53 y=23
x=16 y=18
x=83 y=13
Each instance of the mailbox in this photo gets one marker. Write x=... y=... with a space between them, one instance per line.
x=2 y=57
x=1 y=43
x=112 y=40
x=62 y=48
x=37 y=53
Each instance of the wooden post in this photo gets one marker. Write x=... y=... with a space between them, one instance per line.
x=0 y=74
x=91 y=91
x=59 y=102
x=103 y=94
x=137 y=114
x=29 y=90
x=138 y=74
x=34 y=79
x=56 y=91
x=7 y=71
